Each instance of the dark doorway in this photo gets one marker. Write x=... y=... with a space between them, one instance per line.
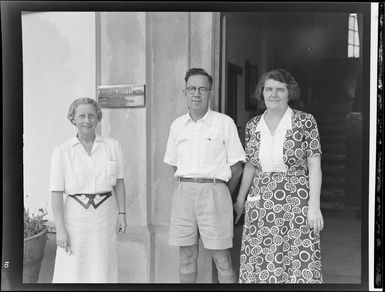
x=233 y=72
x=327 y=53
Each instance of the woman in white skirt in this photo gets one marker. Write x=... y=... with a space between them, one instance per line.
x=88 y=170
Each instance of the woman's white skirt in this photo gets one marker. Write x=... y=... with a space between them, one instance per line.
x=93 y=242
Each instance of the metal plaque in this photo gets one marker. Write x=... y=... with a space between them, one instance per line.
x=117 y=96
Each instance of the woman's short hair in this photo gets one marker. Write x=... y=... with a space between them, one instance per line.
x=83 y=100
x=282 y=76
x=198 y=71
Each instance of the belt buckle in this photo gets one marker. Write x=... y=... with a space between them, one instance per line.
x=91 y=198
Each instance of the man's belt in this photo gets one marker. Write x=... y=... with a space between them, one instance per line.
x=201 y=180
x=91 y=199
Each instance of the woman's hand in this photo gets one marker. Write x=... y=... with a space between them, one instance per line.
x=121 y=224
x=314 y=218
x=239 y=207
x=62 y=240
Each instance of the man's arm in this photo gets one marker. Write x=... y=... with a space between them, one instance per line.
x=235 y=155
x=236 y=173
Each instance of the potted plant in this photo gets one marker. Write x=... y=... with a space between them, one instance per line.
x=35 y=237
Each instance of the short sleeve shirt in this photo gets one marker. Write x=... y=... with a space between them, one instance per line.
x=73 y=171
x=205 y=148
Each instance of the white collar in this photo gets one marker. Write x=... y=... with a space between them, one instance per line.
x=208 y=117
x=74 y=141
x=284 y=123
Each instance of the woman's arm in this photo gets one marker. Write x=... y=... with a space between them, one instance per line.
x=62 y=238
x=120 y=193
x=314 y=215
x=236 y=172
x=247 y=179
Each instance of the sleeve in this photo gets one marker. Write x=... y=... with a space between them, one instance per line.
x=233 y=145
x=170 y=157
x=120 y=160
x=251 y=138
x=56 y=181
x=248 y=149
x=312 y=138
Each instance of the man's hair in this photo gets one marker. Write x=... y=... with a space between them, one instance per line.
x=198 y=71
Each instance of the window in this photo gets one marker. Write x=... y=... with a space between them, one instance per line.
x=353 y=38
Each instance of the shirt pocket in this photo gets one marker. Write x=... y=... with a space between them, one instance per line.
x=112 y=172
x=213 y=148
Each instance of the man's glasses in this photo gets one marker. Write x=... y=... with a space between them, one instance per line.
x=201 y=90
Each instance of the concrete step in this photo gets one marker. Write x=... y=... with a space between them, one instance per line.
x=333 y=147
x=328 y=205
x=333 y=170
x=331 y=121
x=333 y=194
x=333 y=182
x=337 y=105
x=333 y=158
x=335 y=139
x=340 y=211
x=333 y=163
x=332 y=129
x=330 y=112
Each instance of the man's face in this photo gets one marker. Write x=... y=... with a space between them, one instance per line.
x=198 y=94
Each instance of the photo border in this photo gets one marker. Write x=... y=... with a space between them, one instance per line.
x=13 y=135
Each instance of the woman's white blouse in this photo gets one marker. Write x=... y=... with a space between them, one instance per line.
x=271 y=146
x=74 y=171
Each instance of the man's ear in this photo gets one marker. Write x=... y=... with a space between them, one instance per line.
x=211 y=94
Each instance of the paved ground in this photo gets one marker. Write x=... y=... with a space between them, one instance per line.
x=340 y=246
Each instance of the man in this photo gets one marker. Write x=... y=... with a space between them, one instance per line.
x=205 y=151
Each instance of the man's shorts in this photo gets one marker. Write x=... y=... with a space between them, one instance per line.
x=206 y=207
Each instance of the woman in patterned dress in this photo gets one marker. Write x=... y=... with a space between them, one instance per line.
x=282 y=181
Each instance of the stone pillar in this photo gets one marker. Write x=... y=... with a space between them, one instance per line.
x=155 y=49
x=121 y=59
x=175 y=42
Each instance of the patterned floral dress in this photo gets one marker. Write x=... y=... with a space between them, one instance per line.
x=277 y=244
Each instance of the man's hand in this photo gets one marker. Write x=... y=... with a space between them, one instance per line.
x=239 y=208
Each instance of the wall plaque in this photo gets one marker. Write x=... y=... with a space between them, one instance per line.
x=117 y=96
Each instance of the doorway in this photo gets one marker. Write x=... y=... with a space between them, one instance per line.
x=326 y=51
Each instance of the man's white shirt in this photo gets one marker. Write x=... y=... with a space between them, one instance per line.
x=205 y=148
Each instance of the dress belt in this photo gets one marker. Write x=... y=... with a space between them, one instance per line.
x=201 y=180
x=82 y=199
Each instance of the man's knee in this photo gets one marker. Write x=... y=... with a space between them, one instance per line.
x=188 y=256
x=226 y=273
x=222 y=260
